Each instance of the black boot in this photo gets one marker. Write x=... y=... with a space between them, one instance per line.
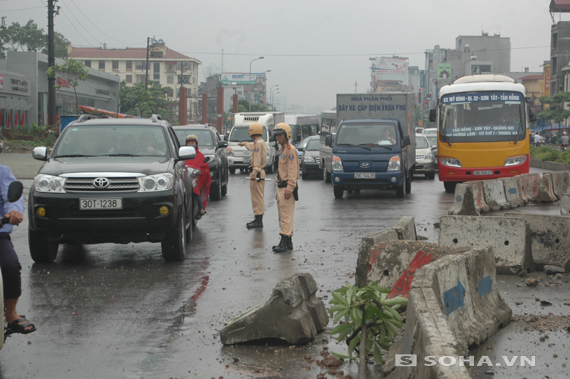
x=256 y=223
x=290 y=243
x=281 y=243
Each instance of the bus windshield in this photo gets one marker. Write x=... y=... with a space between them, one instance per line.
x=482 y=117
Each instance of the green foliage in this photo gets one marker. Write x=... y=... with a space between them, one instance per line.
x=138 y=102
x=243 y=106
x=556 y=112
x=73 y=71
x=29 y=38
x=550 y=154
x=355 y=309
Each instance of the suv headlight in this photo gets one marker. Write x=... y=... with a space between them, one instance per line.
x=394 y=164
x=336 y=164
x=158 y=182
x=516 y=160
x=428 y=156
x=49 y=183
x=448 y=161
x=230 y=152
x=308 y=159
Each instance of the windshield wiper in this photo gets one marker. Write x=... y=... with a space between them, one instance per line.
x=520 y=124
x=75 y=155
x=123 y=155
x=446 y=140
x=351 y=145
x=375 y=145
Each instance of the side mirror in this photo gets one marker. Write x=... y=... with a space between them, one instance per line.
x=532 y=114
x=186 y=152
x=433 y=148
x=406 y=140
x=300 y=148
x=222 y=144
x=15 y=191
x=328 y=140
x=40 y=153
x=432 y=115
x=206 y=159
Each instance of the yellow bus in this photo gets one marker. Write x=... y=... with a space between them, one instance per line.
x=483 y=123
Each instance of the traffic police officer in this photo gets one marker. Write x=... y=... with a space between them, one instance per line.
x=256 y=173
x=287 y=176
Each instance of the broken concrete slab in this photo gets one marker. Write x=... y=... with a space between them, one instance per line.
x=406 y=229
x=509 y=237
x=545 y=190
x=365 y=250
x=464 y=201
x=293 y=315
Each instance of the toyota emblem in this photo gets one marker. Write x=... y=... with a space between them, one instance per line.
x=101 y=183
x=365 y=165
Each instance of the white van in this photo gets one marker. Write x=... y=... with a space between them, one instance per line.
x=302 y=126
x=238 y=156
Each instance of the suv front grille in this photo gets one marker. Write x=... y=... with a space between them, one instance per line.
x=115 y=184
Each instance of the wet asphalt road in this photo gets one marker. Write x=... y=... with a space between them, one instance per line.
x=110 y=311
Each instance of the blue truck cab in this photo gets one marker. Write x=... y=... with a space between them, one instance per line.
x=372 y=153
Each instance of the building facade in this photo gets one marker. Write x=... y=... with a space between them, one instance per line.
x=166 y=67
x=559 y=55
x=28 y=72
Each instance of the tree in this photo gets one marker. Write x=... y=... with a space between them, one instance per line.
x=243 y=106
x=138 y=102
x=29 y=38
x=557 y=111
x=73 y=71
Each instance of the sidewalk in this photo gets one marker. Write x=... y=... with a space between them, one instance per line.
x=23 y=166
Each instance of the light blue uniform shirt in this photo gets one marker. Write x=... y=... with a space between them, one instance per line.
x=6 y=177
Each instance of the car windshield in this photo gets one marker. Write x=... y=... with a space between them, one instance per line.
x=432 y=140
x=313 y=145
x=421 y=142
x=204 y=136
x=366 y=134
x=241 y=133
x=109 y=140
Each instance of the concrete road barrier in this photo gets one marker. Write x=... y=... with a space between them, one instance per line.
x=521 y=182
x=406 y=229
x=509 y=237
x=565 y=204
x=454 y=303
x=367 y=254
x=512 y=192
x=464 y=201
x=545 y=190
x=549 y=239
x=533 y=182
x=478 y=196
x=494 y=192
x=560 y=182
x=293 y=314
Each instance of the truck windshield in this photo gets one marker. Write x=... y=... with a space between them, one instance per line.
x=482 y=117
x=241 y=133
x=367 y=134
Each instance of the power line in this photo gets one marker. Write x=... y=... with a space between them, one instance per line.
x=77 y=30
x=22 y=9
x=80 y=23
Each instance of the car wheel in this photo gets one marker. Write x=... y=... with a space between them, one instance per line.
x=216 y=190
x=304 y=174
x=338 y=192
x=401 y=189
x=430 y=176
x=232 y=170
x=269 y=167
x=225 y=186
x=174 y=244
x=326 y=175
x=41 y=250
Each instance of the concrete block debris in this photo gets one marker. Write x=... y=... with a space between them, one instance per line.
x=464 y=203
x=494 y=192
x=560 y=182
x=512 y=192
x=549 y=239
x=565 y=204
x=479 y=196
x=293 y=315
x=509 y=237
x=406 y=229
x=545 y=190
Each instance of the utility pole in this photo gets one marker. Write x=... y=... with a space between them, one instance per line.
x=51 y=63
x=146 y=76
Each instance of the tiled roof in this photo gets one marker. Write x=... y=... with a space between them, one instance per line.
x=134 y=53
x=532 y=77
x=560 y=5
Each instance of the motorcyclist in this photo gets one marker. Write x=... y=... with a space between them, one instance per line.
x=564 y=140
x=202 y=189
x=9 y=262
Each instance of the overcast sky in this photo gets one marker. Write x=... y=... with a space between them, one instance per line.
x=314 y=48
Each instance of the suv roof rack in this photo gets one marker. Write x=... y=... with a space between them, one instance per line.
x=85 y=117
x=156 y=117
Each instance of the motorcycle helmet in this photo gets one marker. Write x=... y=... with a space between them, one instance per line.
x=255 y=129
x=192 y=137
x=283 y=128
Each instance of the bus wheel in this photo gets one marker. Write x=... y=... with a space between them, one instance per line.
x=449 y=186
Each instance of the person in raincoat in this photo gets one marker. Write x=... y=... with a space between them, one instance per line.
x=202 y=189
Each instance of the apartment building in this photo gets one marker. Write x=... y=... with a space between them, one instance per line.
x=167 y=67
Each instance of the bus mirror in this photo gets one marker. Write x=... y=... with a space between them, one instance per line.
x=532 y=114
x=328 y=140
x=432 y=115
x=407 y=140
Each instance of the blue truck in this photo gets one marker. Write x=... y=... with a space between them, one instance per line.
x=374 y=144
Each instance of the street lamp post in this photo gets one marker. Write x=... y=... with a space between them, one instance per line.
x=250 y=86
x=275 y=93
x=271 y=94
